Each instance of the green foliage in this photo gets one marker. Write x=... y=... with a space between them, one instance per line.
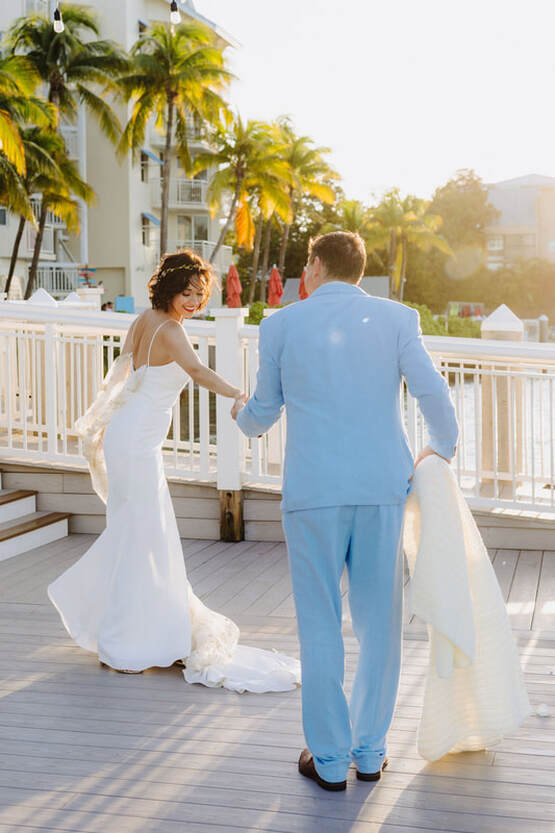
x=256 y=313
x=466 y=211
x=463 y=327
x=429 y=325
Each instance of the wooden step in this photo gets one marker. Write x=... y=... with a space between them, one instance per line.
x=14 y=503
x=9 y=495
x=32 y=530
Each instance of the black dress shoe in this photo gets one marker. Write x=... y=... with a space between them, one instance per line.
x=372 y=776
x=307 y=768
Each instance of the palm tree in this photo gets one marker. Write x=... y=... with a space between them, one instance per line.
x=309 y=171
x=249 y=164
x=40 y=171
x=58 y=194
x=269 y=183
x=396 y=222
x=177 y=73
x=72 y=62
x=18 y=81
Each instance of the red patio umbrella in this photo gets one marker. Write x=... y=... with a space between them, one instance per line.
x=302 y=289
x=275 y=288
x=233 y=287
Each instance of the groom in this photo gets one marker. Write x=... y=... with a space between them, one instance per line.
x=335 y=361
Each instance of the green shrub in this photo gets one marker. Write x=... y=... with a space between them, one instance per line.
x=256 y=313
x=429 y=325
x=463 y=327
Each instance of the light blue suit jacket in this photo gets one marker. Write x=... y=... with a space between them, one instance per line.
x=335 y=361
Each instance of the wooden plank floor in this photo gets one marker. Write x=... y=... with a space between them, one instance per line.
x=85 y=749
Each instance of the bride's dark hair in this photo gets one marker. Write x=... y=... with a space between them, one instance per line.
x=175 y=273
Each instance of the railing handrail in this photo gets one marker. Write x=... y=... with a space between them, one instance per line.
x=446 y=346
x=486 y=349
x=110 y=323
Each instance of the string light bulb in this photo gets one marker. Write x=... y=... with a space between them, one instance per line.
x=175 y=17
x=58 y=22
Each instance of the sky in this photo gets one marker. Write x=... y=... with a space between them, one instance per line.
x=404 y=93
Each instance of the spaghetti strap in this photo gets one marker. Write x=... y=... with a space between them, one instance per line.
x=153 y=337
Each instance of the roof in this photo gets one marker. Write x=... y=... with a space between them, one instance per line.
x=516 y=199
x=188 y=8
x=530 y=180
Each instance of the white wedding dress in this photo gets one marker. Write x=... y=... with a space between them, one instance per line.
x=128 y=598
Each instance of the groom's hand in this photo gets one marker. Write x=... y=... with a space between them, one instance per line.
x=238 y=405
x=426 y=453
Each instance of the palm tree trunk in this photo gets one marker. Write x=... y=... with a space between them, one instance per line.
x=255 y=257
x=265 y=259
x=403 y=268
x=285 y=240
x=36 y=250
x=228 y=222
x=392 y=257
x=283 y=247
x=15 y=252
x=166 y=172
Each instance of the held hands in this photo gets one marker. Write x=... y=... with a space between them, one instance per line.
x=239 y=404
x=426 y=453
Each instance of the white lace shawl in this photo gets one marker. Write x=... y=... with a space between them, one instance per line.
x=118 y=385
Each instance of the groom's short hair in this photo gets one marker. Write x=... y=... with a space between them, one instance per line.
x=342 y=253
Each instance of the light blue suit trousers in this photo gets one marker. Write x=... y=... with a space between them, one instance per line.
x=336 y=362
x=321 y=542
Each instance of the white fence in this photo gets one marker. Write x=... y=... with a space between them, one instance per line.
x=50 y=370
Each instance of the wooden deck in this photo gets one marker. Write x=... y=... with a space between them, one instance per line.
x=86 y=749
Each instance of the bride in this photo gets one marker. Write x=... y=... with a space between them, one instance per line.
x=128 y=598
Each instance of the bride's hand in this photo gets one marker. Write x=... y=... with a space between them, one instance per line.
x=239 y=404
x=426 y=453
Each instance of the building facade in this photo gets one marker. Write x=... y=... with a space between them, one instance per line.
x=525 y=228
x=119 y=236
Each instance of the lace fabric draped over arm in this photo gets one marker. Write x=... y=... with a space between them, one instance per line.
x=90 y=427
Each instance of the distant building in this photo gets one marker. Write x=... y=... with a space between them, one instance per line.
x=526 y=226
x=376 y=285
x=120 y=230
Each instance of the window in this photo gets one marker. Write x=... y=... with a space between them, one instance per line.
x=184 y=229
x=146 y=232
x=495 y=244
x=201 y=227
x=191 y=230
x=142 y=26
x=144 y=167
x=3 y=217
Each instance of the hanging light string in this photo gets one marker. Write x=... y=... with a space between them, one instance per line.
x=58 y=22
x=175 y=17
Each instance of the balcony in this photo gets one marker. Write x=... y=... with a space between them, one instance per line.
x=47 y=247
x=59 y=279
x=195 y=136
x=182 y=193
x=204 y=248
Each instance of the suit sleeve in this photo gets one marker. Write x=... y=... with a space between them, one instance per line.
x=428 y=386
x=265 y=406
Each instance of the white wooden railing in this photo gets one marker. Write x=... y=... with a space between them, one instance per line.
x=52 y=362
x=59 y=279
x=180 y=192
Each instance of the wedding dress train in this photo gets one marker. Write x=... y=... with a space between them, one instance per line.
x=128 y=598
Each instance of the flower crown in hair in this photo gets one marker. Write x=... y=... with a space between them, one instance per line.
x=190 y=267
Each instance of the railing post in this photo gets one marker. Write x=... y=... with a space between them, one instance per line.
x=502 y=412
x=230 y=443
x=50 y=369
